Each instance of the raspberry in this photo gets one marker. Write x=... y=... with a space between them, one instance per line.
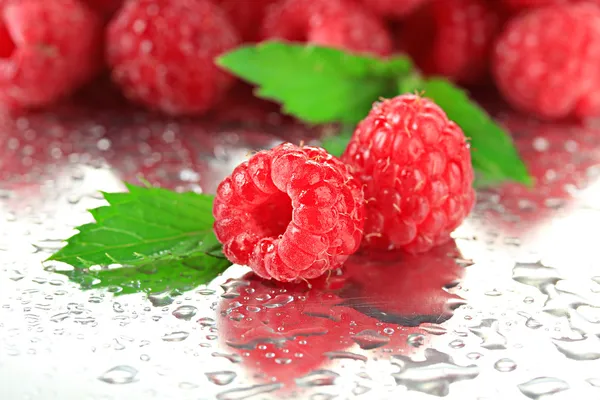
x=518 y=5
x=162 y=53
x=416 y=169
x=105 y=8
x=393 y=9
x=290 y=212
x=246 y=16
x=552 y=73
x=48 y=48
x=336 y=23
x=451 y=38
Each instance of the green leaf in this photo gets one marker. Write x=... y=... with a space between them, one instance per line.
x=493 y=152
x=149 y=229
x=316 y=84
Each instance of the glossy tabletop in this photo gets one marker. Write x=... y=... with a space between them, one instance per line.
x=510 y=309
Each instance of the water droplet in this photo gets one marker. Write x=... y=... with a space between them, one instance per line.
x=248 y=392
x=433 y=329
x=543 y=386
x=175 y=336
x=388 y=331
x=59 y=317
x=587 y=348
x=457 y=344
x=595 y=382
x=231 y=307
x=117 y=345
x=474 y=356
x=253 y=309
x=263 y=297
x=205 y=292
x=161 y=299
x=434 y=375
x=236 y=316
x=279 y=301
x=360 y=389
x=234 y=358
x=320 y=377
x=416 y=340
x=221 y=378
x=270 y=355
x=536 y=274
x=491 y=338
x=505 y=365
x=528 y=300
x=119 y=375
x=493 y=293
x=232 y=288
x=344 y=355
x=117 y=307
x=145 y=357
x=533 y=323
x=370 y=339
x=185 y=312
x=16 y=275
x=206 y=321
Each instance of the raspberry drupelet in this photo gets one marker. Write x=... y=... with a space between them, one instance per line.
x=289 y=213
x=415 y=166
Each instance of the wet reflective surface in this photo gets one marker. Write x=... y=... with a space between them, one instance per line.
x=509 y=309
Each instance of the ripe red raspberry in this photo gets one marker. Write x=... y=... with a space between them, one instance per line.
x=546 y=61
x=162 y=53
x=518 y=5
x=451 y=38
x=416 y=170
x=290 y=212
x=105 y=8
x=48 y=48
x=393 y=9
x=337 y=23
x=246 y=16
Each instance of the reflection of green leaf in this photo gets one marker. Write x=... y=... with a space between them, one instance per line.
x=148 y=279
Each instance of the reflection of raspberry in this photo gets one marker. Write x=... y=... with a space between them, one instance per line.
x=246 y=16
x=393 y=8
x=336 y=23
x=48 y=48
x=451 y=38
x=290 y=212
x=551 y=72
x=162 y=53
x=416 y=169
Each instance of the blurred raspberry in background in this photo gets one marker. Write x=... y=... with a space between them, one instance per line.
x=540 y=55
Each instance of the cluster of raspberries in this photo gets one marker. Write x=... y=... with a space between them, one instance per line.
x=404 y=183
x=542 y=55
